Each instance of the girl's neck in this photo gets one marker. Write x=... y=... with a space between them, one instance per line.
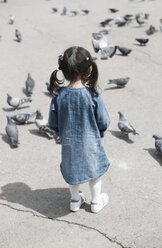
x=76 y=84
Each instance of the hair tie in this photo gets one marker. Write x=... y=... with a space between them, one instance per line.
x=87 y=58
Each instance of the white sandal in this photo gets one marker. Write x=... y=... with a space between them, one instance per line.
x=75 y=205
x=96 y=207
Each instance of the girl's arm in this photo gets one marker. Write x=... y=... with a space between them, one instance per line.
x=53 y=120
x=102 y=116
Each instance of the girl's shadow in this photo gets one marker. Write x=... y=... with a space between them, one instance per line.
x=157 y=157
x=52 y=202
x=118 y=135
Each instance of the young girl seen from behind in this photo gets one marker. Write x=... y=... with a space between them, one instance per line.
x=79 y=117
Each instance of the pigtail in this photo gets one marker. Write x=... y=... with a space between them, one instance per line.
x=55 y=83
x=92 y=79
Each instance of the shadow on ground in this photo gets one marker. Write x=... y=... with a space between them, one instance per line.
x=53 y=202
x=13 y=110
x=118 y=135
x=153 y=153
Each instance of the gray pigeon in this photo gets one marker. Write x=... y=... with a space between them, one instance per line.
x=48 y=86
x=108 y=51
x=146 y=16
x=99 y=41
x=158 y=143
x=40 y=120
x=124 y=126
x=120 y=21
x=124 y=51
x=16 y=102
x=12 y=19
x=54 y=10
x=139 y=19
x=151 y=30
x=42 y=125
x=29 y=83
x=64 y=11
x=22 y=118
x=74 y=12
x=12 y=132
x=120 y=82
x=113 y=10
x=85 y=11
x=18 y=35
x=142 y=41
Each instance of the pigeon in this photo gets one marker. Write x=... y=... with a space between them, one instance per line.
x=48 y=86
x=16 y=102
x=146 y=16
x=99 y=41
x=120 y=82
x=0 y=37
x=125 y=51
x=106 y=22
x=40 y=120
x=113 y=10
x=124 y=126
x=12 y=20
x=139 y=19
x=85 y=11
x=54 y=10
x=158 y=143
x=151 y=30
x=22 y=118
x=29 y=83
x=108 y=51
x=120 y=21
x=12 y=132
x=18 y=35
x=161 y=28
x=64 y=11
x=5 y=1
x=142 y=41
x=74 y=12
x=128 y=17
x=42 y=125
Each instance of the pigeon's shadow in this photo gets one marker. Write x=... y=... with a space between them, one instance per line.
x=16 y=41
x=24 y=91
x=50 y=202
x=119 y=54
x=137 y=44
x=152 y=152
x=37 y=133
x=114 y=88
x=46 y=93
x=13 y=110
x=118 y=135
x=6 y=139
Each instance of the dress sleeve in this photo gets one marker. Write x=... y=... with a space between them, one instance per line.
x=102 y=116
x=53 y=118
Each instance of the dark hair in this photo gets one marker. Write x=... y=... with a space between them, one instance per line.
x=75 y=62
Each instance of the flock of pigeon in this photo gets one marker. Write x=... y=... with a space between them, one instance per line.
x=100 y=45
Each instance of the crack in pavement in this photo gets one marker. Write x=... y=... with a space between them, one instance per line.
x=112 y=240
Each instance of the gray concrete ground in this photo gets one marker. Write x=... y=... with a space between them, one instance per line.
x=34 y=199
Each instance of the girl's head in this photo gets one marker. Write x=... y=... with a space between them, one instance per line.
x=76 y=64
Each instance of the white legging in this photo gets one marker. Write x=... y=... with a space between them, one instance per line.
x=95 y=187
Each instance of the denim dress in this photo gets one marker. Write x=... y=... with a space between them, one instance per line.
x=79 y=117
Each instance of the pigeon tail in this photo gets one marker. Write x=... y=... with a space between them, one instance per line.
x=14 y=143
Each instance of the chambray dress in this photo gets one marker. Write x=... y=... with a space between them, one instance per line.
x=79 y=117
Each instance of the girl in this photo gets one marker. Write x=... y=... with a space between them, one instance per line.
x=79 y=117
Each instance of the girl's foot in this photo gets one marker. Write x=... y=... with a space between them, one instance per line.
x=97 y=206
x=75 y=205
